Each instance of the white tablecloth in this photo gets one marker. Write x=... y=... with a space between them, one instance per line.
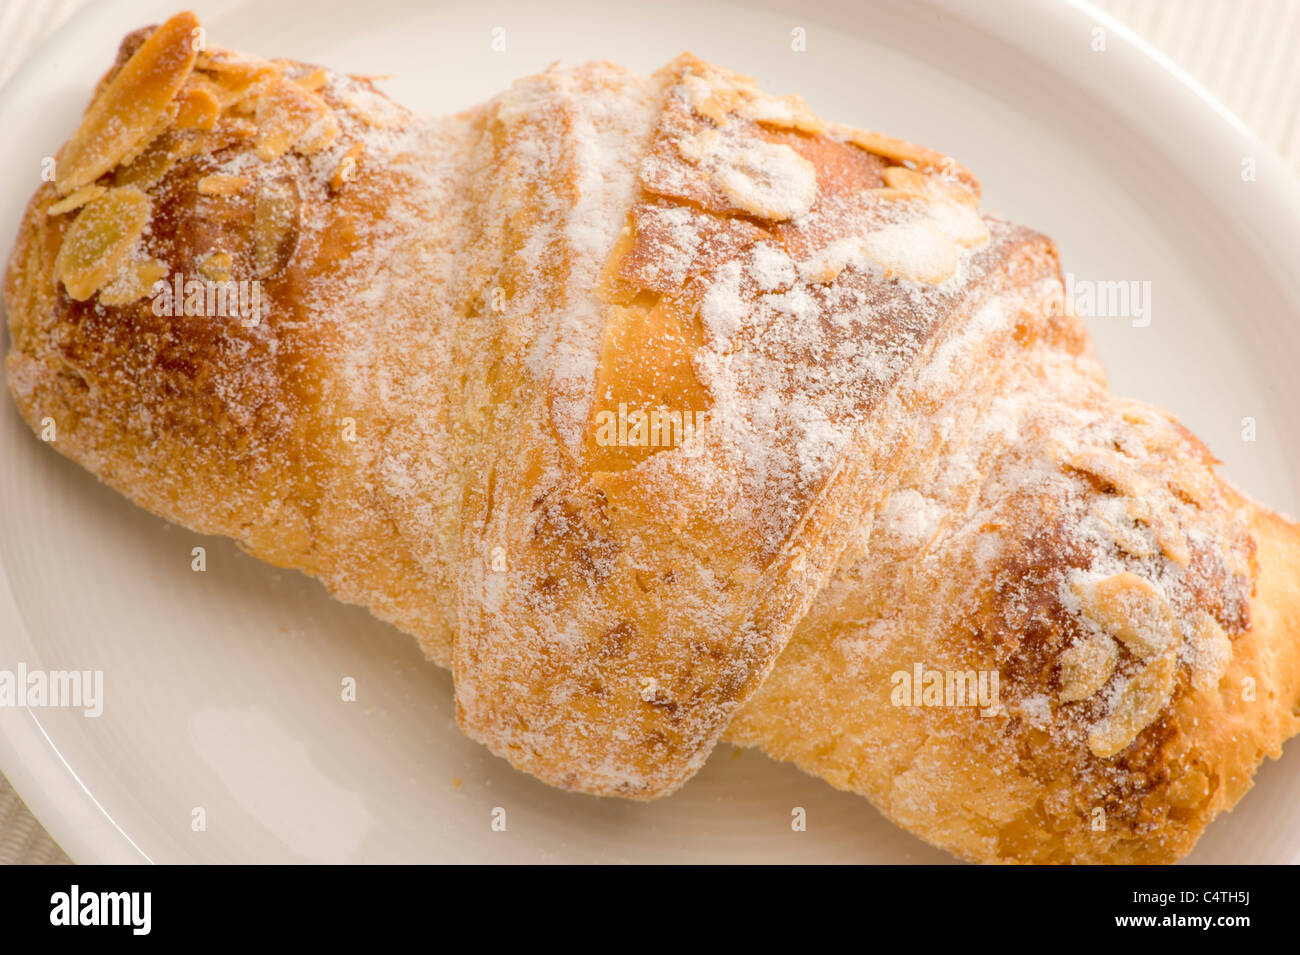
x=1243 y=51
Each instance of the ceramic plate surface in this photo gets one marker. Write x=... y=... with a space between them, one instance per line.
x=222 y=689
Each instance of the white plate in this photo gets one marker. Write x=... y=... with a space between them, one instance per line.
x=222 y=688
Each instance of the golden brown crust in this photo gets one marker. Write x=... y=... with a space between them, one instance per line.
x=977 y=568
x=767 y=280
x=230 y=419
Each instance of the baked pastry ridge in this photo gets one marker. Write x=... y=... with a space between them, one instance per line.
x=737 y=290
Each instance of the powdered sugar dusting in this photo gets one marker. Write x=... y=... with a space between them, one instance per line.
x=807 y=385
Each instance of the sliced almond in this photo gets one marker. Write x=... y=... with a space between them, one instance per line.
x=216 y=266
x=374 y=109
x=75 y=201
x=901 y=151
x=912 y=250
x=1136 y=708
x=1142 y=415
x=231 y=63
x=768 y=180
x=217 y=185
x=129 y=106
x=826 y=264
x=151 y=270
x=786 y=112
x=233 y=79
x=319 y=136
x=209 y=84
x=228 y=131
x=198 y=108
x=1153 y=512
x=133 y=282
x=284 y=114
x=150 y=166
x=1087 y=666
x=960 y=223
x=1172 y=542
x=275 y=226
x=1109 y=469
x=218 y=60
x=313 y=81
x=1132 y=609
x=907 y=181
x=1209 y=651
x=100 y=239
x=1123 y=530
x=1195 y=485
x=928 y=186
x=710 y=97
x=160 y=130
x=699 y=146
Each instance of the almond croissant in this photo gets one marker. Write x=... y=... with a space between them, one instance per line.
x=662 y=411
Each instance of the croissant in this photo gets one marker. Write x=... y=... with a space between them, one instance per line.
x=662 y=412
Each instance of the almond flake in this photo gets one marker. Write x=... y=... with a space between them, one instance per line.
x=161 y=128
x=929 y=186
x=1209 y=651
x=787 y=112
x=709 y=98
x=284 y=114
x=222 y=185
x=198 y=108
x=99 y=240
x=233 y=80
x=374 y=109
x=1132 y=609
x=275 y=226
x=1164 y=525
x=228 y=131
x=216 y=266
x=1138 y=705
x=768 y=180
x=75 y=201
x=826 y=264
x=1128 y=537
x=912 y=250
x=1087 y=666
x=150 y=166
x=320 y=135
x=960 y=223
x=312 y=81
x=901 y=151
x=130 y=105
x=133 y=282
x=1109 y=469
